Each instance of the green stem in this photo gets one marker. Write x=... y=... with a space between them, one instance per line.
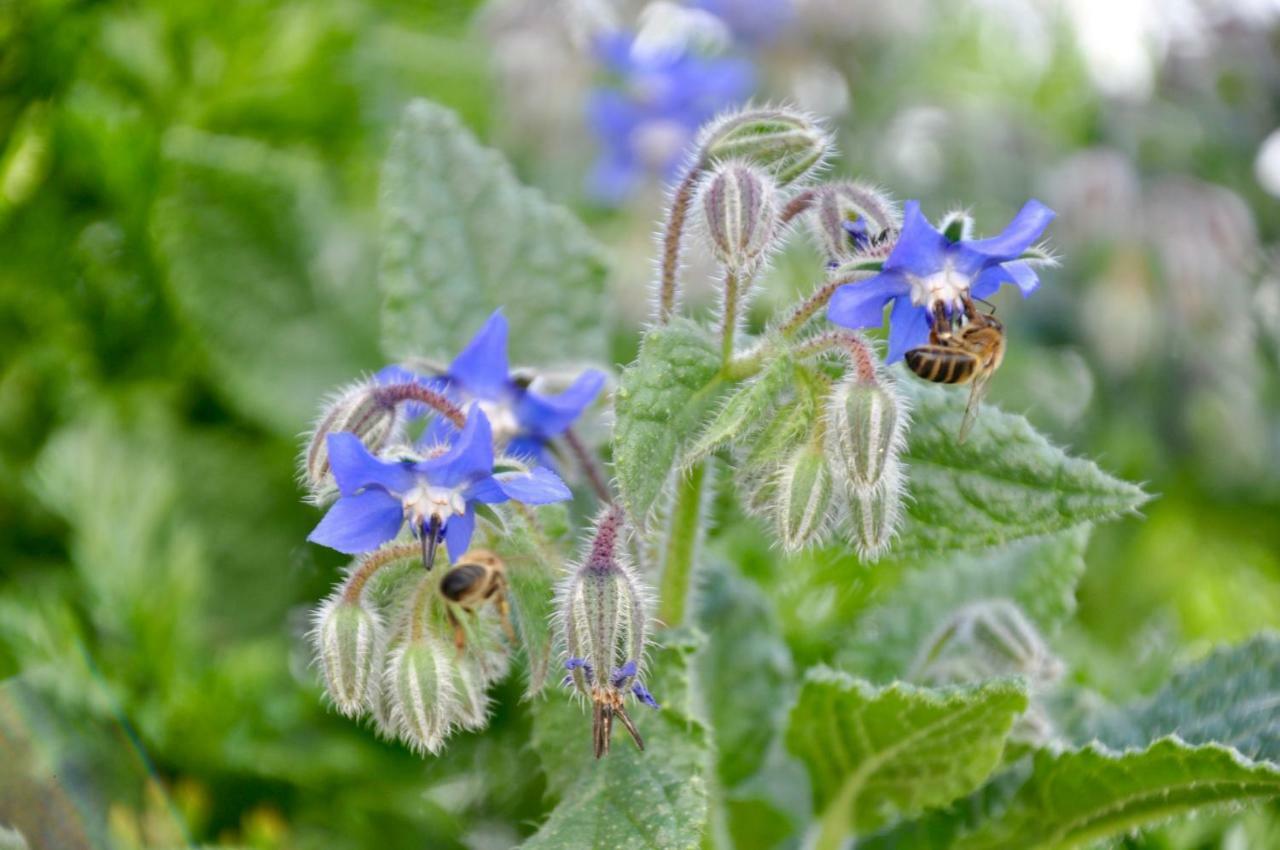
x=729 y=315
x=681 y=545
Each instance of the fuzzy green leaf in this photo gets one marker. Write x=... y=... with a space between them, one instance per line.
x=461 y=237
x=1005 y=482
x=744 y=411
x=661 y=399
x=1076 y=798
x=1039 y=575
x=629 y=800
x=258 y=265
x=878 y=753
x=746 y=668
x=1231 y=697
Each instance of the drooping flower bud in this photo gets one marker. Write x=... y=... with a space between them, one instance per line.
x=363 y=409
x=805 y=488
x=874 y=514
x=784 y=142
x=348 y=642
x=992 y=637
x=603 y=613
x=852 y=220
x=423 y=696
x=867 y=421
x=739 y=212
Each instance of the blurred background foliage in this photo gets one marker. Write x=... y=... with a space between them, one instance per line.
x=188 y=261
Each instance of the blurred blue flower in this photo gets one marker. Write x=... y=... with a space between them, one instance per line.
x=437 y=492
x=754 y=22
x=926 y=271
x=523 y=421
x=647 y=124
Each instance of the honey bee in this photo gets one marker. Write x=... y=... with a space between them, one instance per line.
x=968 y=355
x=480 y=576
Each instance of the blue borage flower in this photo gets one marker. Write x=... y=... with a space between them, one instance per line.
x=523 y=421
x=648 y=123
x=438 y=491
x=926 y=269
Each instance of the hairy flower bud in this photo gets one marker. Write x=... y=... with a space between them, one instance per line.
x=804 y=497
x=991 y=638
x=363 y=409
x=874 y=514
x=348 y=643
x=853 y=220
x=988 y=638
x=786 y=143
x=422 y=694
x=603 y=613
x=739 y=211
x=867 y=418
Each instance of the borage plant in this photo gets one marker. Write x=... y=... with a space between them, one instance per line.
x=925 y=548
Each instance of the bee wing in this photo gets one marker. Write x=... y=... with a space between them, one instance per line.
x=976 y=395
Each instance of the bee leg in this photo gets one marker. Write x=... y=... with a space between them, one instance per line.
x=631 y=727
x=504 y=612
x=459 y=634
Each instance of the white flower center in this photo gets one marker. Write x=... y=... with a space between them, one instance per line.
x=945 y=286
x=502 y=419
x=425 y=501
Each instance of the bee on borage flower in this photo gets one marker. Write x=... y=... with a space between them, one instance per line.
x=966 y=350
x=480 y=576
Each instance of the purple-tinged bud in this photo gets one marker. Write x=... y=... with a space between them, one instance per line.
x=804 y=504
x=786 y=143
x=866 y=418
x=739 y=213
x=423 y=697
x=603 y=614
x=363 y=409
x=874 y=514
x=348 y=641
x=853 y=220
x=988 y=638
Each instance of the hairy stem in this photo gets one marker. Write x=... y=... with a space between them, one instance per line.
x=590 y=467
x=681 y=545
x=394 y=394
x=729 y=314
x=367 y=565
x=672 y=237
x=797 y=205
x=816 y=301
x=860 y=354
x=418 y=607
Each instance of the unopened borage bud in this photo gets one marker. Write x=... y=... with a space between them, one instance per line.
x=866 y=425
x=804 y=497
x=739 y=213
x=874 y=514
x=991 y=637
x=786 y=143
x=853 y=220
x=422 y=691
x=348 y=640
x=603 y=612
x=363 y=409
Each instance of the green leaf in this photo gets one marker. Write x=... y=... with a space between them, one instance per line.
x=1005 y=482
x=257 y=265
x=1078 y=797
x=878 y=753
x=461 y=237
x=629 y=800
x=661 y=399
x=746 y=670
x=744 y=411
x=1040 y=575
x=1232 y=697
